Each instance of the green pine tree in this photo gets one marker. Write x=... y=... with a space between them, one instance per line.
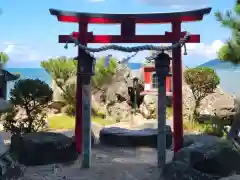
x=231 y=19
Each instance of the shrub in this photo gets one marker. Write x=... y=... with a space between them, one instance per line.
x=213 y=130
x=63 y=70
x=30 y=97
x=202 y=81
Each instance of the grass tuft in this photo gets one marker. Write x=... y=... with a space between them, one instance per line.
x=68 y=122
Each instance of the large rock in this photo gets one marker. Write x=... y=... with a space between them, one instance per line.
x=149 y=106
x=121 y=112
x=180 y=171
x=188 y=102
x=215 y=157
x=9 y=169
x=233 y=177
x=42 y=148
x=123 y=137
x=204 y=157
x=190 y=139
x=219 y=103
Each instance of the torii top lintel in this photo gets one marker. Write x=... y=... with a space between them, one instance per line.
x=128 y=26
x=101 y=18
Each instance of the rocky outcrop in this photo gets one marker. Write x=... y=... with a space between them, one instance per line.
x=42 y=148
x=218 y=104
x=205 y=157
x=112 y=100
x=119 y=111
x=180 y=171
x=149 y=107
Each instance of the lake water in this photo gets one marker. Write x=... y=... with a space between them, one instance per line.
x=230 y=79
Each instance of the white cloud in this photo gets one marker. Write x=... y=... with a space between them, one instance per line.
x=175 y=3
x=9 y=49
x=20 y=51
x=204 y=50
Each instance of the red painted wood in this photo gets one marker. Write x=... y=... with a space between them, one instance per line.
x=167 y=84
x=155 y=18
x=152 y=69
x=194 y=38
x=149 y=69
x=147 y=77
x=150 y=18
x=99 y=20
x=83 y=28
x=177 y=90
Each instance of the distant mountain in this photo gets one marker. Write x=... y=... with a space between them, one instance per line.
x=218 y=64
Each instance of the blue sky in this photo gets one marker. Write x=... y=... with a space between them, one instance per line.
x=29 y=34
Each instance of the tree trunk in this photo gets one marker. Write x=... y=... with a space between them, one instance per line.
x=195 y=112
x=30 y=120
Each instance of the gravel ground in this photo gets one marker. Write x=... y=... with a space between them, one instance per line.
x=107 y=164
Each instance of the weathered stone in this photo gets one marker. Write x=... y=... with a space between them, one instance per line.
x=9 y=169
x=43 y=148
x=148 y=107
x=136 y=120
x=215 y=157
x=56 y=105
x=190 y=139
x=180 y=171
x=233 y=177
x=123 y=137
x=216 y=103
x=119 y=112
x=188 y=102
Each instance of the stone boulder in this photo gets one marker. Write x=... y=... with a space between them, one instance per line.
x=148 y=107
x=42 y=148
x=190 y=139
x=180 y=171
x=209 y=155
x=204 y=157
x=124 y=137
x=219 y=159
x=120 y=112
x=56 y=105
x=219 y=103
x=9 y=168
x=188 y=102
x=233 y=177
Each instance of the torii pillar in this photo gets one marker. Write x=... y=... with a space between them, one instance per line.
x=128 y=35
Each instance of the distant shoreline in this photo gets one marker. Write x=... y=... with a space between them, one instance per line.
x=229 y=78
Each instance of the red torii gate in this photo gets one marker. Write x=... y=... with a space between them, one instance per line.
x=128 y=35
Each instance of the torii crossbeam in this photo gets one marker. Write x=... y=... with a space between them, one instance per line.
x=128 y=35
